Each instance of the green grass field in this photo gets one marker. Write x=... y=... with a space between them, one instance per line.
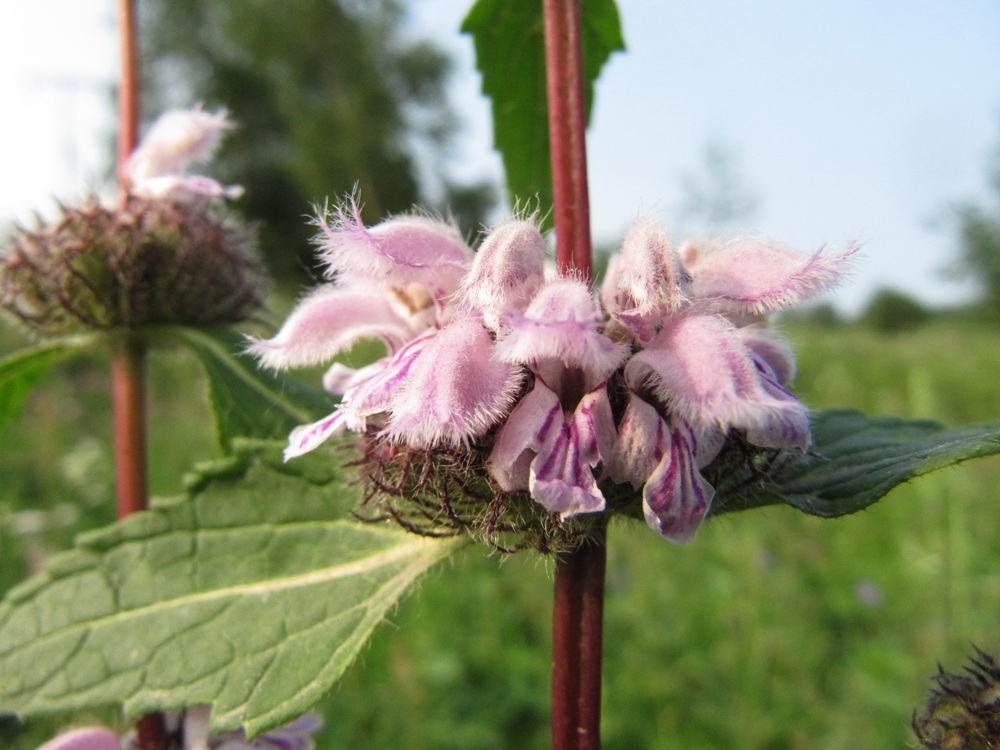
x=772 y=631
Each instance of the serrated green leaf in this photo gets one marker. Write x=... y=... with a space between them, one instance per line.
x=855 y=460
x=247 y=401
x=509 y=39
x=252 y=594
x=21 y=371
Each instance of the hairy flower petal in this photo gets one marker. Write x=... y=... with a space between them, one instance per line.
x=562 y=478
x=385 y=379
x=755 y=276
x=399 y=251
x=561 y=326
x=329 y=321
x=177 y=139
x=771 y=349
x=184 y=188
x=308 y=437
x=676 y=498
x=643 y=438
x=508 y=270
x=84 y=738
x=455 y=391
x=645 y=283
x=698 y=368
x=552 y=454
x=518 y=441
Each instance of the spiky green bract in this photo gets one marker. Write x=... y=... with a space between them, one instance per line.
x=145 y=262
x=447 y=491
x=963 y=710
x=854 y=461
x=250 y=593
x=510 y=54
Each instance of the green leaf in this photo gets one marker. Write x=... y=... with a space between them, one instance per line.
x=854 y=461
x=21 y=371
x=509 y=38
x=251 y=594
x=247 y=401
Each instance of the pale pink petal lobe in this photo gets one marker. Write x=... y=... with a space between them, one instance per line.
x=561 y=326
x=698 y=368
x=508 y=270
x=562 y=476
x=328 y=322
x=455 y=391
x=308 y=437
x=646 y=282
x=518 y=440
x=755 y=276
x=399 y=251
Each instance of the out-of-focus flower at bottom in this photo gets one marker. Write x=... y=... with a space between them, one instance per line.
x=84 y=738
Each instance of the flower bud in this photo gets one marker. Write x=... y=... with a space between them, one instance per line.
x=963 y=710
x=145 y=262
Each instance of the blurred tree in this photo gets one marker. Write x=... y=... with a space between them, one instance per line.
x=979 y=238
x=328 y=95
x=892 y=311
x=717 y=199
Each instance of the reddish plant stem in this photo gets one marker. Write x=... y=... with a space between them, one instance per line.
x=578 y=604
x=577 y=639
x=128 y=88
x=128 y=391
x=128 y=354
x=567 y=135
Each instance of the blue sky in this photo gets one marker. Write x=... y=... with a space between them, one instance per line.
x=849 y=119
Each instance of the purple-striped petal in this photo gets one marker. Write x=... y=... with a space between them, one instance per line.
x=644 y=283
x=308 y=437
x=84 y=738
x=677 y=497
x=772 y=350
x=508 y=270
x=329 y=321
x=643 y=438
x=755 y=276
x=698 y=368
x=384 y=381
x=455 y=390
x=562 y=476
x=518 y=440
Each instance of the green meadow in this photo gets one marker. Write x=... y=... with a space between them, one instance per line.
x=771 y=631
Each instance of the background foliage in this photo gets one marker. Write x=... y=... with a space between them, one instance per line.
x=329 y=95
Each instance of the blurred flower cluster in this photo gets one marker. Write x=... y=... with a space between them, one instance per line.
x=164 y=252
x=556 y=389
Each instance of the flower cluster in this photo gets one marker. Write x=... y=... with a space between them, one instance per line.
x=562 y=391
x=166 y=253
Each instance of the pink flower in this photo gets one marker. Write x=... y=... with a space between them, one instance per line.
x=157 y=168
x=702 y=367
x=486 y=352
x=439 y=382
